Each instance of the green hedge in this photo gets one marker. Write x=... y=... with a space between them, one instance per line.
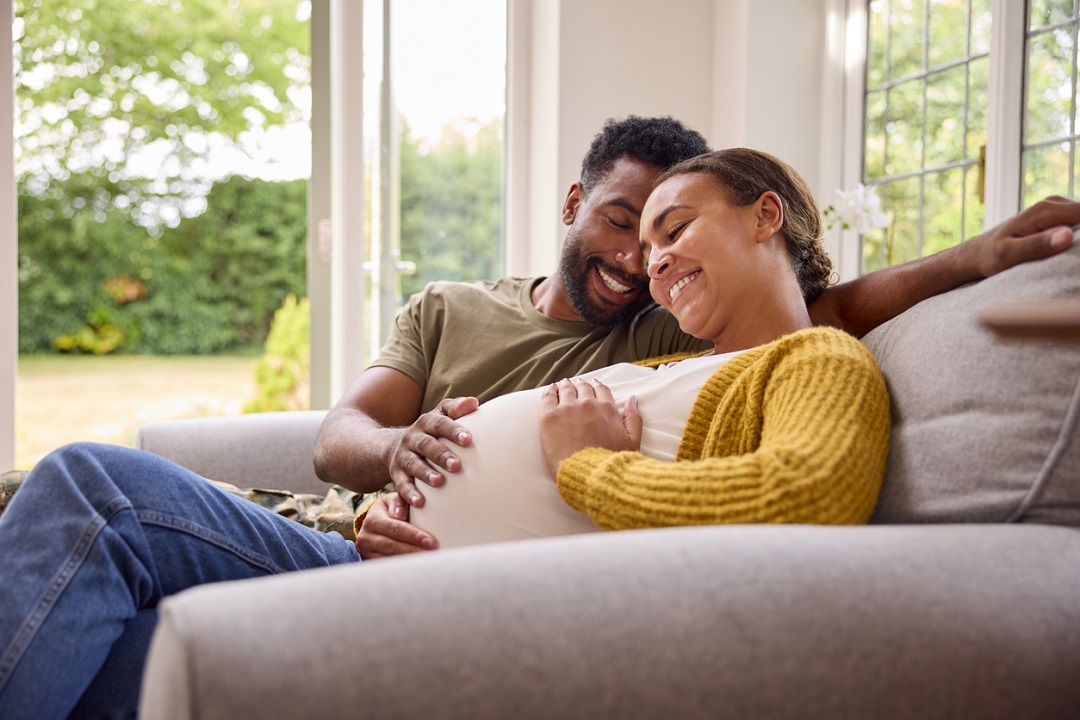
x=91 y=280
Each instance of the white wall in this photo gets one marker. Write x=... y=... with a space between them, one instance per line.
x=780 y=72
x=742 y=72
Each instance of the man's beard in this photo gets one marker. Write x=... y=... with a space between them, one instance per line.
x=576 y=273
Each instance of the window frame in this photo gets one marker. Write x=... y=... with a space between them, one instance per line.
x=9 y=246
x=1006 y=80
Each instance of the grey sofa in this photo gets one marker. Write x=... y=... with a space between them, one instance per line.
x=961 y=599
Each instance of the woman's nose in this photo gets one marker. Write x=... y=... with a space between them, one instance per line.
x=658 y=263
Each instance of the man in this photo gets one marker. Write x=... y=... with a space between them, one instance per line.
x=458 y=344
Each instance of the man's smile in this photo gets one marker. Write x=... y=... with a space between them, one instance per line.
x=614 y=285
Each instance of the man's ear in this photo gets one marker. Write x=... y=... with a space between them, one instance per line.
x=769 y=210
x=572 y=203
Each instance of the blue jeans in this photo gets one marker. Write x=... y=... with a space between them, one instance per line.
x=91 y=542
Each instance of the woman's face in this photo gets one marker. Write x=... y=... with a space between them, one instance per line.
x=705 y=256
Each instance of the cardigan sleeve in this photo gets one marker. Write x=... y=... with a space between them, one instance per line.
x=799 y=435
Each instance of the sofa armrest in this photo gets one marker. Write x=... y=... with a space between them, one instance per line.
x=751 y=621
x=266 y=450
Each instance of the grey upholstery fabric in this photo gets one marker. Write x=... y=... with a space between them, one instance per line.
x=984 y=430
x=261 y=450
x=763 y=622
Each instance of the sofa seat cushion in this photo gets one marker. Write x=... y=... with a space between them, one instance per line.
x=984 y=429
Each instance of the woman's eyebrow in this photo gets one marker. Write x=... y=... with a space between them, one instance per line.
x=660 y=218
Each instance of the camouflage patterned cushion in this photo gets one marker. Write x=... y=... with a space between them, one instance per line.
x=9 y=483
x=333 y=512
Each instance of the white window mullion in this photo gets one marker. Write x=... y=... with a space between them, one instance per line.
x=1004 y=112
x=9 y=248
x=348 y=279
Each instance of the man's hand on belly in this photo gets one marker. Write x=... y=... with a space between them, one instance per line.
x=419 y=454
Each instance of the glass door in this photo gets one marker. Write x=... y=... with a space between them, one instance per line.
x=162 y=152
x=434 y=118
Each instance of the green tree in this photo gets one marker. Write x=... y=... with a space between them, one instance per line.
x=98 y=81
x=451 y=207
x=70 y=242
x=244 y=254
x=106 y=260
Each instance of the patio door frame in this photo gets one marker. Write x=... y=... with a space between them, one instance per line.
x=9 y=246
x=336 y=277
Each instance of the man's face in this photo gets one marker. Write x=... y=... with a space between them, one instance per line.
x=601 y=263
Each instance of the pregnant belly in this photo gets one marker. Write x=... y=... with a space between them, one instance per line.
x=504 y=491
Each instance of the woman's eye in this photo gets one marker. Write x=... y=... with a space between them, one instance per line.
x=674 y=231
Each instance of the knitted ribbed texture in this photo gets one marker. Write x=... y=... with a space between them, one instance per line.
x=796 y=431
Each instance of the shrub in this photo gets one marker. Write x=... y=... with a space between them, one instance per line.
x=209 y=285
x=282 y=373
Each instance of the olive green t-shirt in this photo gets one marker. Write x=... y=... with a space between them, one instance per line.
x=486 y=339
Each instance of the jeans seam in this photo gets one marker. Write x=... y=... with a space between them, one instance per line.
x=170 y=522
x=26 y=632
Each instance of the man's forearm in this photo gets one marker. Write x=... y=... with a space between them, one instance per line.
x=860 y=305
x=354 y=451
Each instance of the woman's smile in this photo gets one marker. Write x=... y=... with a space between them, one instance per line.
x=677 y=288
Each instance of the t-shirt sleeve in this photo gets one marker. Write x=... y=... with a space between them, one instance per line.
x=405 y=348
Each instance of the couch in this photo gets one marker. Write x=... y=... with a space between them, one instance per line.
x=961 y=599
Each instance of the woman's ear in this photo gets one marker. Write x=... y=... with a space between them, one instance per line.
x=571 y=204
x=769 y=210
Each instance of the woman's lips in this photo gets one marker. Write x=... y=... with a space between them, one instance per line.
x=682 y=283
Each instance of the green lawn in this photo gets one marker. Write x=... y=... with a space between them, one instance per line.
x=62 y=399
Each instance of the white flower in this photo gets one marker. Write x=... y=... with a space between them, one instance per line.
x=858 y=209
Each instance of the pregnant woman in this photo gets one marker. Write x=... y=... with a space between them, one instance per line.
x=781 y=422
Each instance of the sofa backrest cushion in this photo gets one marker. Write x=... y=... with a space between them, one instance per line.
x=984 y=429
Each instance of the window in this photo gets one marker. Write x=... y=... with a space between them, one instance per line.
x=1049 y=154
x=927 y=77
x=435 y=105
x=161 y=159
x=950 y=85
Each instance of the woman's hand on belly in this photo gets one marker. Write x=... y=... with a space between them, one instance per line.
x=576 y=414
x=386 y=531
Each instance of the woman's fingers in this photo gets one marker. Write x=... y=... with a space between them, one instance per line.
x=601 y=391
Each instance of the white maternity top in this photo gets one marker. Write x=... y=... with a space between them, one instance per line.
x=504 y=491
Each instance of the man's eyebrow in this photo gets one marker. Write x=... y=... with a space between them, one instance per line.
x=626 y=205
x=660 y=218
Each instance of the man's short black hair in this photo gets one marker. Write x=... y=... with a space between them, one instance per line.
x=661 y=141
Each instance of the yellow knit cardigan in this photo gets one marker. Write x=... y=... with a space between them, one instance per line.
x=796 y=431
